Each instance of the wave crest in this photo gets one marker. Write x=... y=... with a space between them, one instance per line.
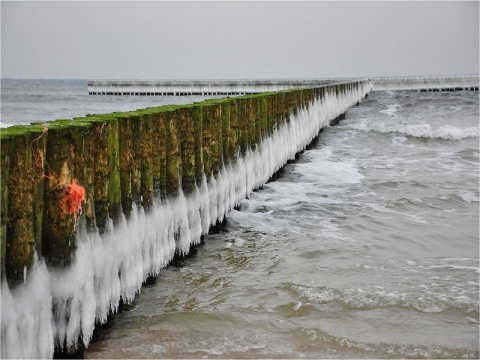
x=445 y=132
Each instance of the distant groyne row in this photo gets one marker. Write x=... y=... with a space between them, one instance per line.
x=427 y=83
x=91 y=207
x=242 y=87
x=196 y=87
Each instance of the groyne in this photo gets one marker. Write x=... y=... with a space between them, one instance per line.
x=242 y=87
x=198 y=87
x=427 y=83
x=92 y=207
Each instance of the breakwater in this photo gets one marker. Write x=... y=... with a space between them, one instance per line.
x=91 y=207
x=197 y=87
x=428 y=83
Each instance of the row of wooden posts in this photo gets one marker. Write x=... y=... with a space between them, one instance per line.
x=120 y=159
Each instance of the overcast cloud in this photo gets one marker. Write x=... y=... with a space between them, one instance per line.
x=219 y=40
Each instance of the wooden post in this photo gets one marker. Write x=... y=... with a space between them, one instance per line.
x=187 y=147
x=174 y=159
x=5 y=146
x=130 y=131
x=198 y=143
x=105 y=162
x=225 y=154
x=65 y=157
x=233 y=137
x=147 y=130
x=21 y=229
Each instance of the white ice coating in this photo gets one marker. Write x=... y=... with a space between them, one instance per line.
x=57 y=305
x=426 y=82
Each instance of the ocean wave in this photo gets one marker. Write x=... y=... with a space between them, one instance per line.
x=391 y=110
x=358 y=299
x=468 y=196
x=445 y=132
x=391 y=350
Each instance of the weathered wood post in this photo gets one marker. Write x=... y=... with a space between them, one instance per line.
x=242 y=125
x=146 y=160
x=251 y=121
x=105 y=164
x=198 y=143
x=216 y=139
x=187 y=147
x=158 y=157
x=262 y=115
x=22 y=189
x=233 y=137
x=207 y=139
x=130 y=131
x=66 y=158
x=174 y=158
x=225 y=154
x=5 y=146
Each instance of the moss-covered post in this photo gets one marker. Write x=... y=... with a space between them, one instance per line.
x=162 y=128
x=105 y=164
x=242 y=125
x=263 y=120
x=269 y=100
x=216 y=136
x=252 y=121
x=289 y=104
x=5 y=146
x=84 y=168
x=198 y=143
x=207 y=121
x=25 y=154
x=187 y=147
x=64 y=153
x=282 y=106
x=158 y=140
x=174 y=159
x=212 y=137
x=129 y=129
x=146 y=160
x=276 y=112
x=225 y=154
x=233 y=137
x=297 y=101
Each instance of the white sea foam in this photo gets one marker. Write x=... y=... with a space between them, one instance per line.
x=391 y=110
x=446 y=132
x=325 y=171
x=6 y=125
x=469 y=196
x=428 y=302
x=113 y=266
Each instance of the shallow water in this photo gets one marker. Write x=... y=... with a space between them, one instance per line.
x=365 y=247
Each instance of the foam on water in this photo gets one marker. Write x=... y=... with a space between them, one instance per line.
x=111 y=267
x=423 y=298
x=423 y=130
x=425 y=82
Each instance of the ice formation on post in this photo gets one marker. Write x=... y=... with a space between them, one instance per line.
x=112 y=266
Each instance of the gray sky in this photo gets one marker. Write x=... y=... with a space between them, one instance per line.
x=221 y=40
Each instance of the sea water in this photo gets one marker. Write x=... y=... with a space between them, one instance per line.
x=367 y=246
x=36 y=100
